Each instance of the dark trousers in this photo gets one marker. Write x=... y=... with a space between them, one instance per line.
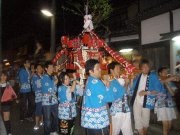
x=39 y=110
x=28 y=96
x=104 y=131
x=67 y=126
x=16 y=89
x=49 y=110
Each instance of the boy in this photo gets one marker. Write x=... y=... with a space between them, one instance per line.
x=49 y=100
x=121 y=115
x=36 y=86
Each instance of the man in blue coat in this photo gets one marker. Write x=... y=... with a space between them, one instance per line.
x=25 y=88
x=94 y=113
x=145 y=88
x=120 y=111
x=49 y=100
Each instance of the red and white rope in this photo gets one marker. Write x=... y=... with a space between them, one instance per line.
x=59 y=55
x=59 y=66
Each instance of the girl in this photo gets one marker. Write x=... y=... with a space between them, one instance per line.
x=66 y=97
x=5 y=106
x=165 y=106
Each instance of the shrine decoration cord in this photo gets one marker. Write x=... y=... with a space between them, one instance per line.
x=59 y=66
x=128 y=66
x=95 y=37
x=100 y=43
x=59 y=55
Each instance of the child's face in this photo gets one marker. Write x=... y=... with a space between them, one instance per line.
x=66 y=80
x=97 y=71
x=50 y=69
x=136 y=64
x=32 y=67
x=164 y=72
x=39 y=69
x=116 y=71
x=27 y=64
x=3 y=78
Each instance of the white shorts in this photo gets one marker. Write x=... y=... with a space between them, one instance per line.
x=122 y=121
x=166 y=114
x=141 y=115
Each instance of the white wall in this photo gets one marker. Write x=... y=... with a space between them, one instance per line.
x=152 y=27
x=174 y=47
x=123 y=38
x=176 y=19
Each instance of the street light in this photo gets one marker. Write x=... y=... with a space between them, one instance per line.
x=177 y=38
x=46 y=12
x=52 y=15
x=126 y=50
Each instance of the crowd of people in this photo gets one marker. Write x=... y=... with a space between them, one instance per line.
x=109 y=106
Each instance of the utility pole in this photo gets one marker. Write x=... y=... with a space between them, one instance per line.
x=53 y=27
x=0 y=36
x=2 y=127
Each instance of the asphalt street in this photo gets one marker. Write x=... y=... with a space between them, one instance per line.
x=26 y=127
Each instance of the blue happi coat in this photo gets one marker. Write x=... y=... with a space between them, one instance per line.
x=119 y=94
x=24 y=80
x=165 y=99
x=48 y=90
x=67 y=101
x=154 y=85
x=94 y=113
x=36 y=86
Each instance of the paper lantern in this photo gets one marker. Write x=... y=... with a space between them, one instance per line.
x=64 y=40
x=85 y=39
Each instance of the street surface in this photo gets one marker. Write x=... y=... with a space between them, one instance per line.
x=26 y=127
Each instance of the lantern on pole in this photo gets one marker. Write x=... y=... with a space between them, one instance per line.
x=64 y=40
x=85 y=39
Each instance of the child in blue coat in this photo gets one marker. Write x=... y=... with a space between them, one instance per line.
x=67 y=96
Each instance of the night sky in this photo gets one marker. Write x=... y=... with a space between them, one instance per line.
x=21 y=18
